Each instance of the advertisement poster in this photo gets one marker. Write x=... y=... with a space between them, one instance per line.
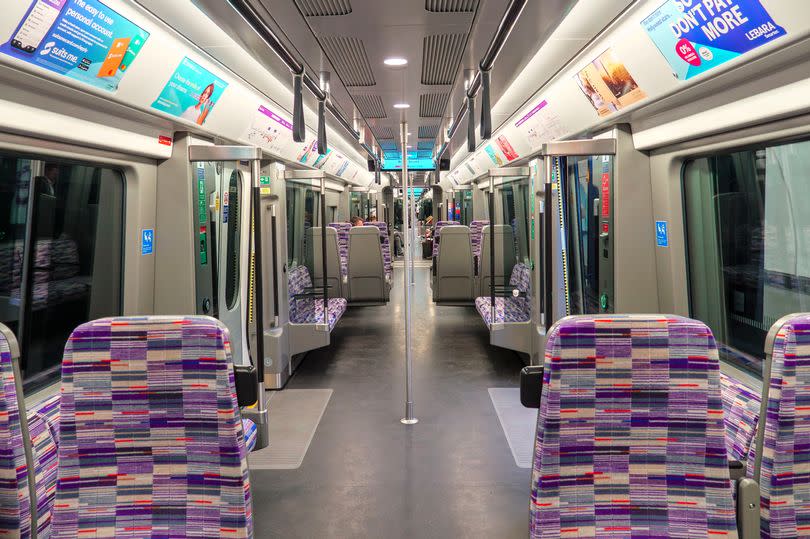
x=270 y=131
x=696 y=36
x=308 y=154
x=80 y=39
x=541 y=125
x=191 y=93
x=608 y=84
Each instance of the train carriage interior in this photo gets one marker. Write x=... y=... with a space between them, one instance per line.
x=405 y=269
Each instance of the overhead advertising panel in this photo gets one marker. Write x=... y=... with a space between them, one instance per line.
x=540 y=125
x=695 y=36
x=608 y=84
x=191 y=93
x=81 y=39
x=392 y=163
x=270 y=131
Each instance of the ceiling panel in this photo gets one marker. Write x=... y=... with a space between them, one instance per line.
x=433 y=105
x=348 y=55
x=324 y=8
x=370 y=106
x=450 y=6
x=428 y=131
x=441 y=54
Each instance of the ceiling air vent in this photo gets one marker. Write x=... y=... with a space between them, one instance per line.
x=388 y=145
x=348 y=56
x=370 y=106
x=383 y=132
x=425 y=145
x=441 y=55
x=432 y=105
x=450 y=6
x=428 y=131
x=324 y=8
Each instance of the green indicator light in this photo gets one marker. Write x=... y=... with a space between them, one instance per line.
x=603 y=301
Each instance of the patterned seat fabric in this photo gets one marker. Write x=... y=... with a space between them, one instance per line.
x=630 y=432
x=510 y=309
x=437 y=230
x=150 y=436
x=785 y=478
x=476 y=232
x=741 y=412
x=386 y=247
x=15 y=500
x=309 y=310
x=343 y=245
x=43 y=425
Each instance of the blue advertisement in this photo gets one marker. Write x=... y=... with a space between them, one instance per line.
x=191 y=93
x=81 y=39
x=698 y=35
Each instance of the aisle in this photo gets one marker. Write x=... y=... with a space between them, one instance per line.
x=366 y=475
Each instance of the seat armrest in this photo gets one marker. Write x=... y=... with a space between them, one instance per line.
x=531 y=385
x=748 y=508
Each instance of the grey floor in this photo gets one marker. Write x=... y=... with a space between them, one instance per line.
x=366 y=475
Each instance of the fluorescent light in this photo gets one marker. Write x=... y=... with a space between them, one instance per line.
x=395 y=62
x=401 y=106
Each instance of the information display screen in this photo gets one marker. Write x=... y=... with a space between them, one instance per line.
x=393 y=162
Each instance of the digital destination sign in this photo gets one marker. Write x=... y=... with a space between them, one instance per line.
x=393 y=162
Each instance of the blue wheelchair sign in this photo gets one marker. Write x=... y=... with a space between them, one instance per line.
x=661 y=234
x=147 y=241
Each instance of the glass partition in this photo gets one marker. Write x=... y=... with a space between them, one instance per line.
x=585 y=184
x=303 y=212
x=360 y=205
x=462 y=206
x=748 y=243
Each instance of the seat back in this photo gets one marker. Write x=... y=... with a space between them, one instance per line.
x=315 y=260
x=150 y=432
x=629 y=436
x=437 y=231
x=343 y=244
x=455 y=278
x=15 y=483
x=476 y=228
x=366 y=265
x=386 y=246
x=504 y=257
x=784 y=448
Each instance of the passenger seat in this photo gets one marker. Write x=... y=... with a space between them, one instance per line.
x=368 y=282
x=785 y=456
x=343 y=230
x=455 y=277
x=151 y=442
x=386 y=247
x=629 y=438
x=15 y=491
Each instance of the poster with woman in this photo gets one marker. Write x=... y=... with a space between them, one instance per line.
x=191 y=93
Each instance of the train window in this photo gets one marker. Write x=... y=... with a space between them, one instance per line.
x=74 y=215
x=748 y=239
x=462 y=202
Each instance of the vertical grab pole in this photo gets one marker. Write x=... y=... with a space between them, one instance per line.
x=547 y=250
x=323 y=255
x=262 y=434
x=409 y=419
x=491 y=203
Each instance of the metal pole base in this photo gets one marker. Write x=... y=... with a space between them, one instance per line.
x=406 y=421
